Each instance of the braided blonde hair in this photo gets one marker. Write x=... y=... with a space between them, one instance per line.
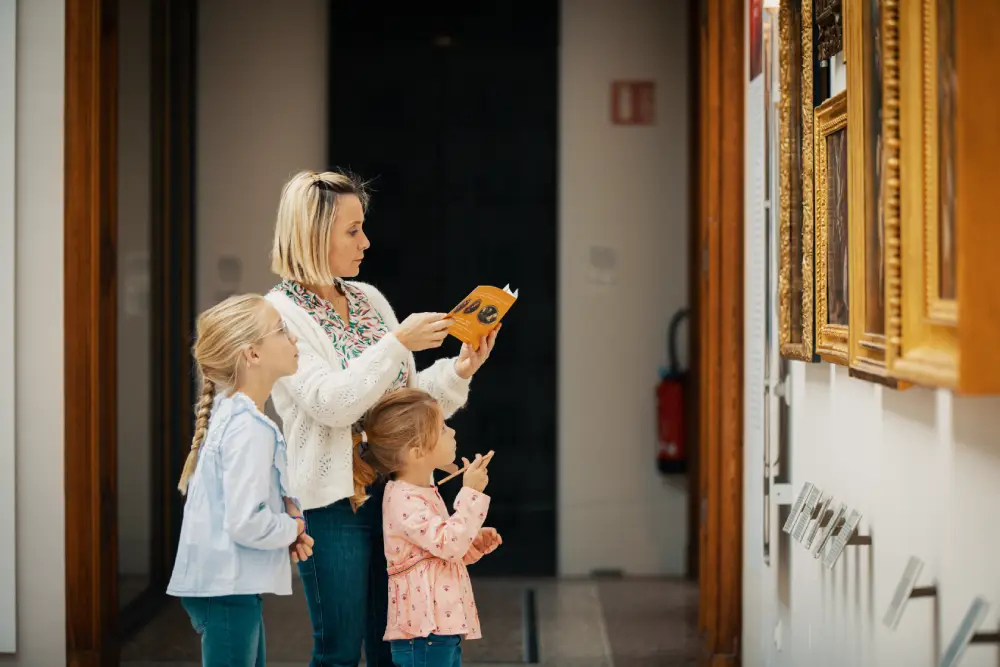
x=308 y=205
x=224 y=332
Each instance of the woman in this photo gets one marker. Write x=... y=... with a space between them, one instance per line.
x=352 y=351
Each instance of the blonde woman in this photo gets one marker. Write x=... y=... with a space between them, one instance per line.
x=352 y=351
x=239 y=521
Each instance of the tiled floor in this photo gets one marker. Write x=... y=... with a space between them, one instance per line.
x=581 y=623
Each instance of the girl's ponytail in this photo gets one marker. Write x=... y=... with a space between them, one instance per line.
x=364 y=472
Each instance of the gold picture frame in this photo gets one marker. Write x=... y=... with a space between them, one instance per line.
x=864 y=25
x=832 y=196
x=795 y=180
x=942 y=331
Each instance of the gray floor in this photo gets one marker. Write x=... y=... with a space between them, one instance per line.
x=581 y=623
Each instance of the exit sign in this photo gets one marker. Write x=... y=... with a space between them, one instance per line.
x=633 y=103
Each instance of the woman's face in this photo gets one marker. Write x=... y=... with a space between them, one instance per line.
x=347 y=237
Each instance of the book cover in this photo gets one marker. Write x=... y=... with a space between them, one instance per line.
x=479 y=313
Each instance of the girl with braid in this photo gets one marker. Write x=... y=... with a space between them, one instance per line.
x=240 y=523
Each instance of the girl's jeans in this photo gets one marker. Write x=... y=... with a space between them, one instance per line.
x=432 y=651
x=231 y=629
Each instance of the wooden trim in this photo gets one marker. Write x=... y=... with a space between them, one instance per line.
x=977 y=147
x=730 y=482
x=708 y=301
x=90 y=331
x=720 y=330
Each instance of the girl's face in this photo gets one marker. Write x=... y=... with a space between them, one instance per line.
x=444 y=449
x=347 y=238
x=276 y=354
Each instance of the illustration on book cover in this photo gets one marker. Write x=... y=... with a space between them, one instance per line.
x=479 y=313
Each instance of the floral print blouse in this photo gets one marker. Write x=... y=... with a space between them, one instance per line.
x=364 y=328
x=427 y=552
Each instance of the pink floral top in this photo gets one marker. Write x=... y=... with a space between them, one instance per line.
x=427 y=552
x=364 y=327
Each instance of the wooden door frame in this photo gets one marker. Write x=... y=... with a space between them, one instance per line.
x=93 y=626
x=90 y=337
x=722 y=76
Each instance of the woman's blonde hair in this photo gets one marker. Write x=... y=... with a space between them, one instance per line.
x=400 y=420
x=301 y=249
x=223 y=333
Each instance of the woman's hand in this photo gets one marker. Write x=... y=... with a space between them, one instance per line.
x=423 y=331
x=469 y=361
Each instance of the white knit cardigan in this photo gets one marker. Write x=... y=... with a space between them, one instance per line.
x=322 y=401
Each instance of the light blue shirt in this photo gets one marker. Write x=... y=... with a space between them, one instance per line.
x=235 y=535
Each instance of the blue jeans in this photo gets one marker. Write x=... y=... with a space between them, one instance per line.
x=432 y=651
x=231 y=629
x=346 y=583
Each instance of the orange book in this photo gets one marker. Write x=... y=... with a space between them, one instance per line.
x=479 y=313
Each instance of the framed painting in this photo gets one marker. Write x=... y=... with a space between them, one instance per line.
x=942 y=232
x=832 y=230
x=866 y=159
x=795 y=180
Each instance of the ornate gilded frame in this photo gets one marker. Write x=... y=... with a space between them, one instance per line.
x=831 y=339
x=791 y=35
x=933 y=341
x=922 y=328
x=867 y=343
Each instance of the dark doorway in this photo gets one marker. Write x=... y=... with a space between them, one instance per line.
x=451 y=109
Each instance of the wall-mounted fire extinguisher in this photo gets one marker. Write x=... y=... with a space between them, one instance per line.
x=671 y=459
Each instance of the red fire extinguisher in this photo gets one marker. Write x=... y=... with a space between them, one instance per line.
x=670 y=455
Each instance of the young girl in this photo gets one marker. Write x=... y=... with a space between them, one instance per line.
x=430 y=596
x=239 y=524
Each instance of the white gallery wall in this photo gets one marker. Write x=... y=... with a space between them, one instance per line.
x=922 y=465
x=38 y=335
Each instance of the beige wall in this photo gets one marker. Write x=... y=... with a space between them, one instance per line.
x=623 y=188
x=262 y=115
x=39 y=422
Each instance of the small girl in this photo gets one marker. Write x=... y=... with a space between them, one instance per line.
x=430 y=595
x=239 y=523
